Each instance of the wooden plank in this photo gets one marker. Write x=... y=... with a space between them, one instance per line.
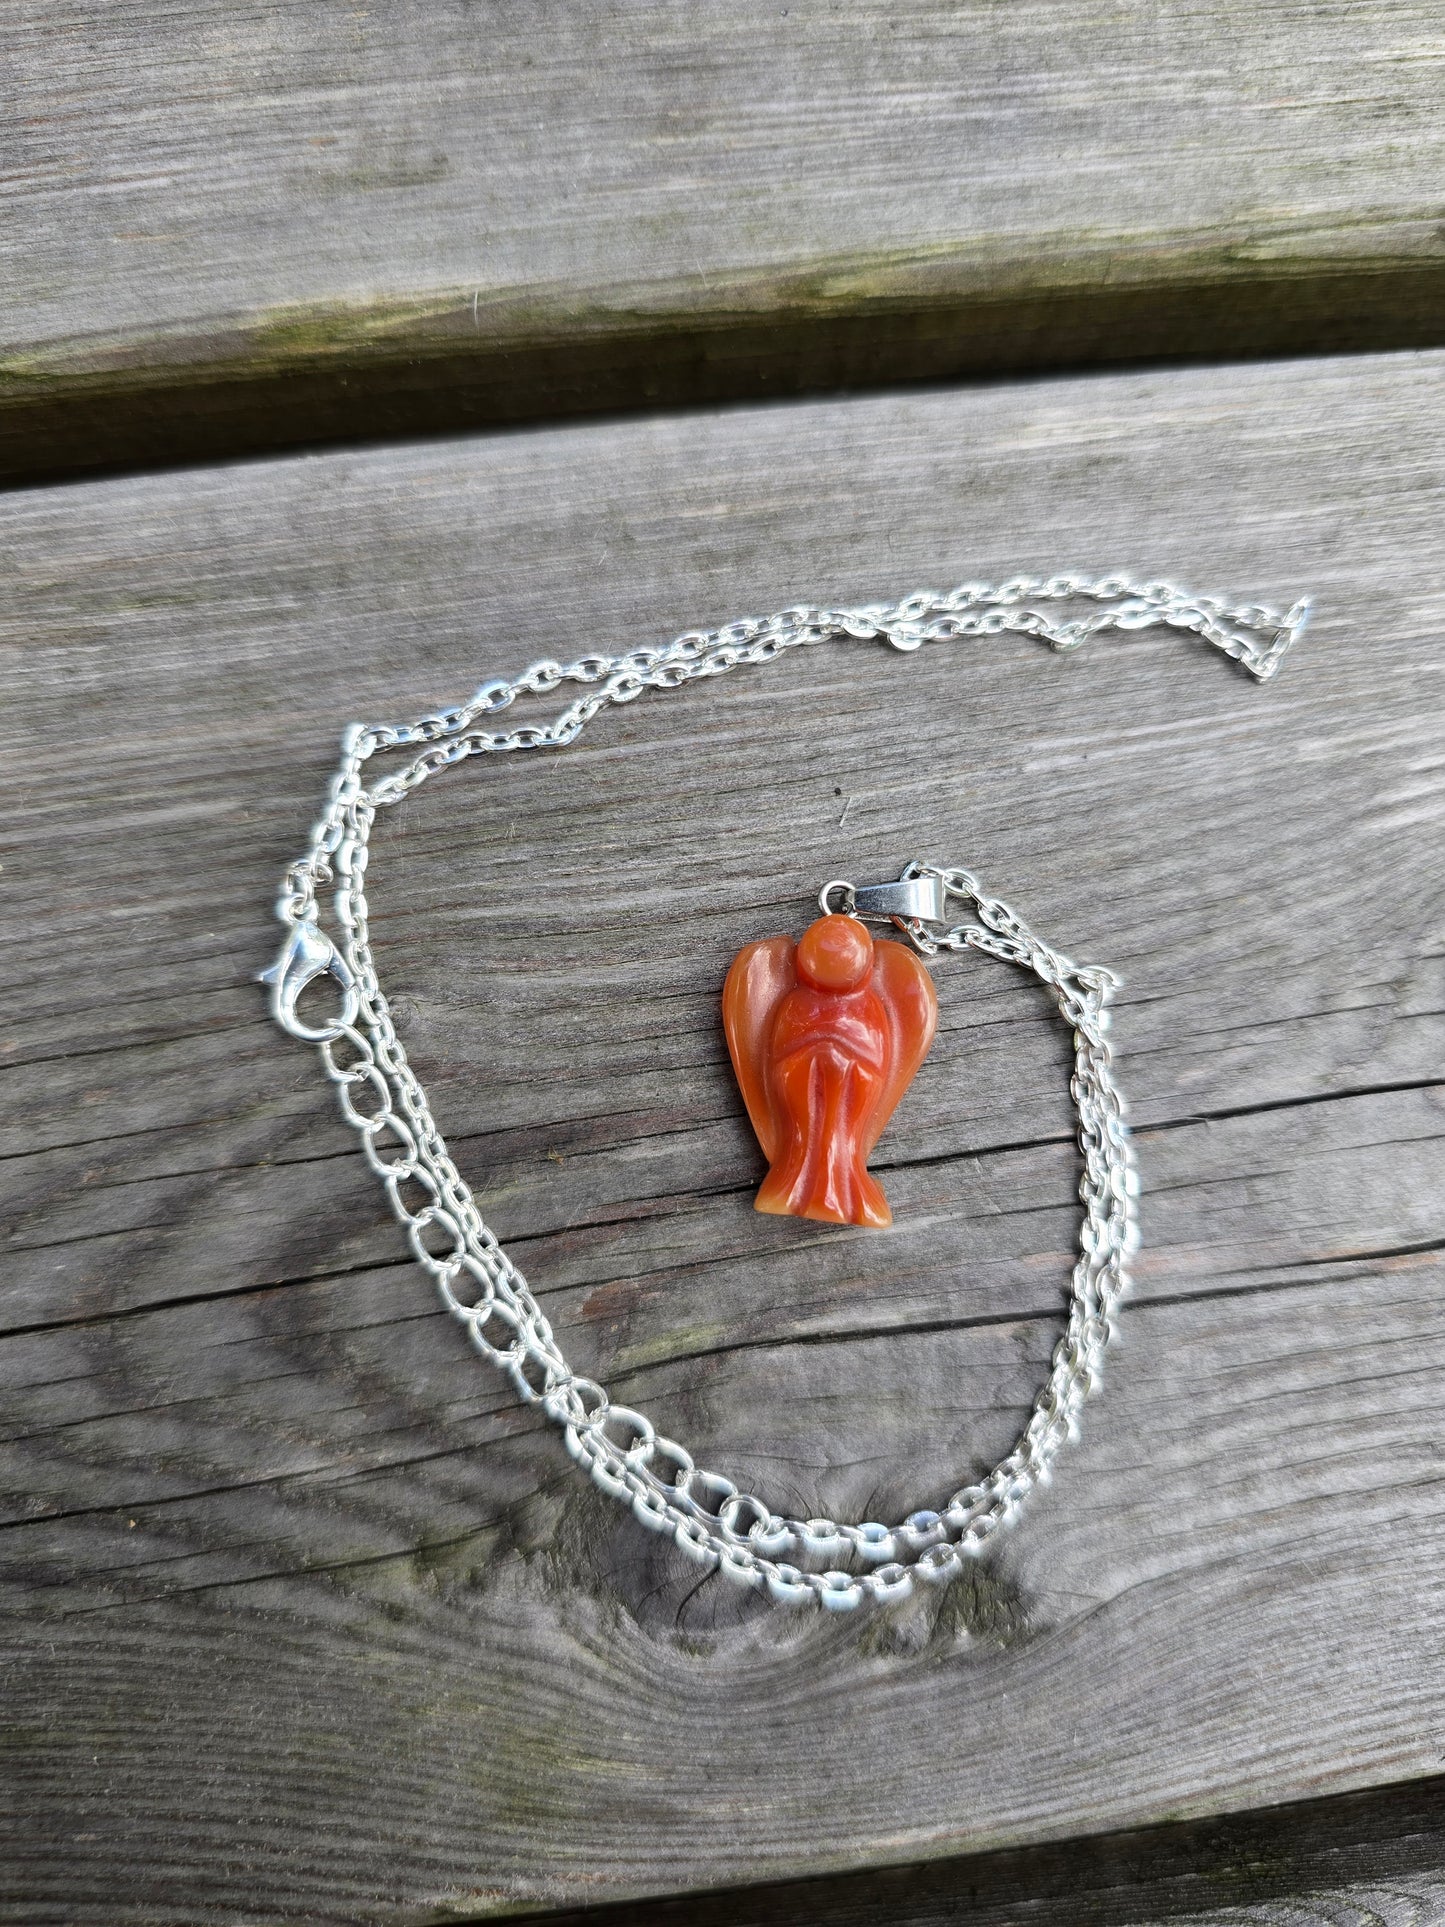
x=306 y=1618
x=262 y=226
x=1371 y=1860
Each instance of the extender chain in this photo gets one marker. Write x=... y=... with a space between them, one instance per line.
x=704 y=1513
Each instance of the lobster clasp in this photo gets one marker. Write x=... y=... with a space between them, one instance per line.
x=308 y=954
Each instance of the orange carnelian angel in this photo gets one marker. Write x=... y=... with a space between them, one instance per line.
x=825 y=1036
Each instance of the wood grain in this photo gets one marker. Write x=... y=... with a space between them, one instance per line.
x=304 y=1618
x=1358 y=1860
x=244 y=226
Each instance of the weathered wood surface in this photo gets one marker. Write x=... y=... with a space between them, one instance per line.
x=304 y=1616
x=242 y=226
x=1357 y=1860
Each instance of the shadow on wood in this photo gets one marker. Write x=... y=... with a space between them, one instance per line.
x=1370 y=1860
x=332 y=376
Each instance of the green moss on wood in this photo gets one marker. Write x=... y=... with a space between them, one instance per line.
x=467 y=358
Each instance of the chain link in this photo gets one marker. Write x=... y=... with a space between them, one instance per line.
x=795 y=1561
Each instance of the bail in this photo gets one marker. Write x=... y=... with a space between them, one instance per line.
x=914 y=898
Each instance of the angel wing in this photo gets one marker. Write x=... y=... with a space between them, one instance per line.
x=761 y=976
x=907 y=994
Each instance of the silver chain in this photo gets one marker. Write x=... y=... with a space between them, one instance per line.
x=796 y=1561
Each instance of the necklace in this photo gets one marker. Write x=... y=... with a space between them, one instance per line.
x=936 y=910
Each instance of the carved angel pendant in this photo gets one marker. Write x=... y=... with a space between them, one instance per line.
x=825 y=1035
